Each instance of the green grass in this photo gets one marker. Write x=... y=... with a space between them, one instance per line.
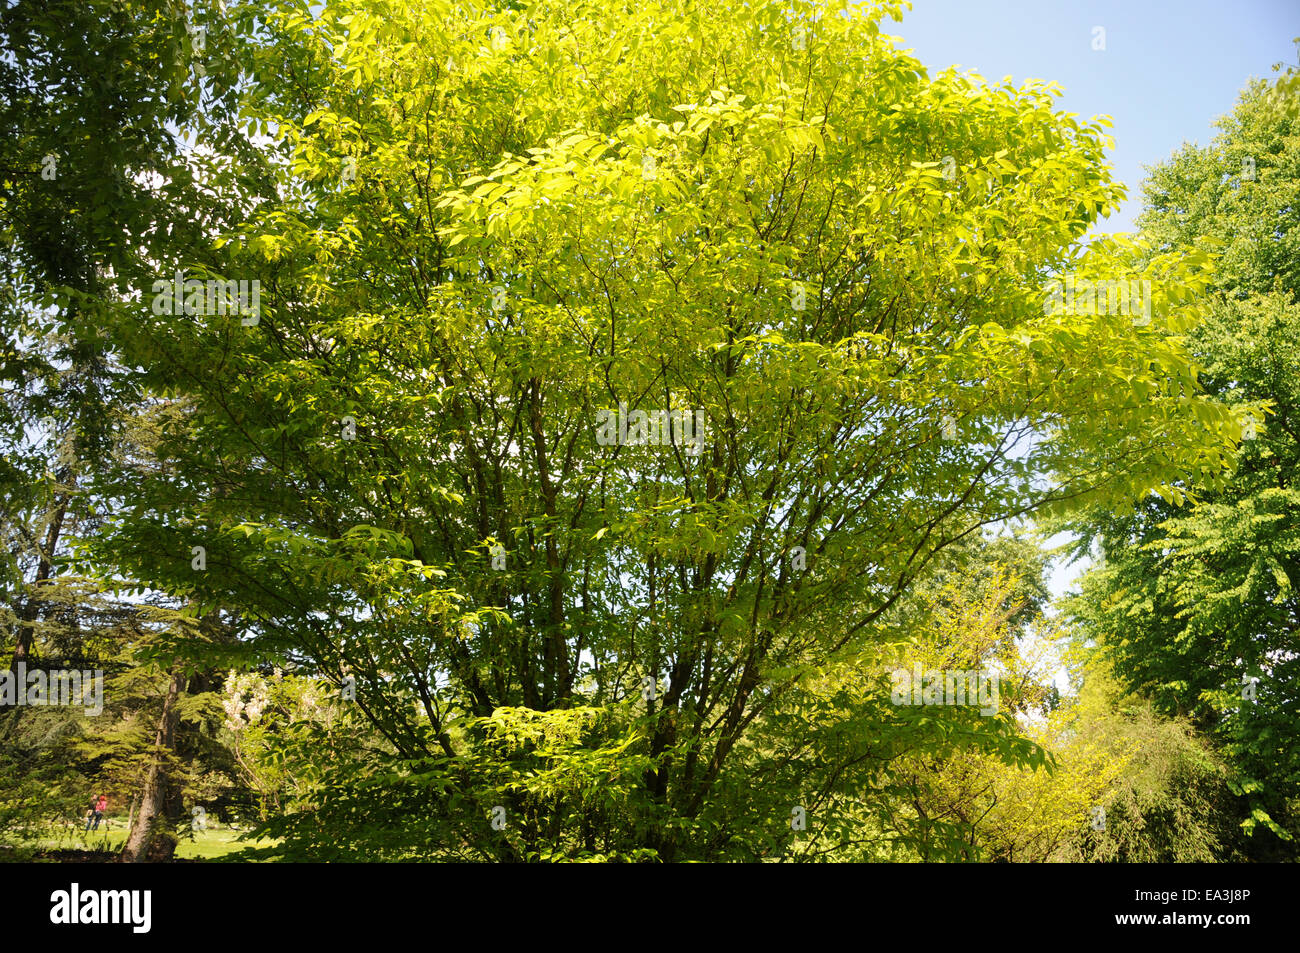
x=199 y=845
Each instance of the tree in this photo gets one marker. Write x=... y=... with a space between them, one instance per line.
x=616 y=371
x=1196 y=604
x=1169 y=802
x=94 y=193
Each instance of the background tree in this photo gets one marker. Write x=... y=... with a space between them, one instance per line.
x=1196 y=605
x=96 y=190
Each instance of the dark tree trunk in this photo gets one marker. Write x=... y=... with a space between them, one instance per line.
x=151 y=838
x=30 y=611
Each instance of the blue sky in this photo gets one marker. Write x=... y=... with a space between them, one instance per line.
x=1168 y=71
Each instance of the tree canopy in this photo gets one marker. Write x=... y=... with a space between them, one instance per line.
x=623 y=392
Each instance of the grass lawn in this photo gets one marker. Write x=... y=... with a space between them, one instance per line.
x=205 y=844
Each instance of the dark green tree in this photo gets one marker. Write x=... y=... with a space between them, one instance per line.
x=1198 y=603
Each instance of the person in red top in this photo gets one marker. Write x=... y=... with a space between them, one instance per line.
x=98 y=806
